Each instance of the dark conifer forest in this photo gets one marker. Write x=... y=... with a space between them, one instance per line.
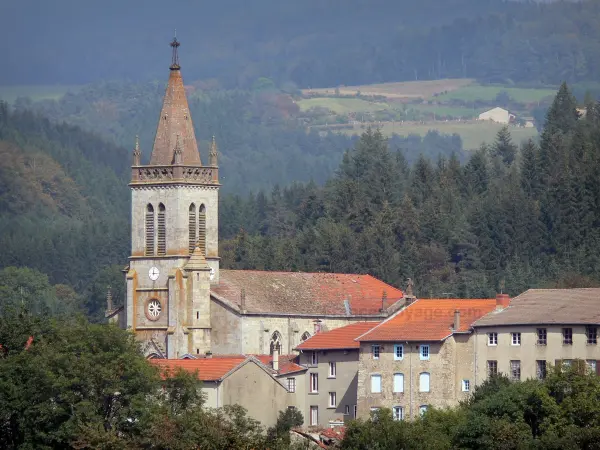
x=507 y=217
x=313 y=43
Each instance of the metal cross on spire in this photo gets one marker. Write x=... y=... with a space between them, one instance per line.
x=175 y=59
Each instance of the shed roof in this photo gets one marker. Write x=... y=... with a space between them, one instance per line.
x=342 y=338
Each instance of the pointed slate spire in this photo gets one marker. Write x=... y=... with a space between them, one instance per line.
x=175 y=119
x=213 y=155
x=137 y=154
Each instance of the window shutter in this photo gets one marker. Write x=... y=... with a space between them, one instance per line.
x=598 y=367
x=149 y=230
x=424 y=382
x=192 y=228
x=202 y=228
x=398 y=382
x=558 y=364
x=162 y=231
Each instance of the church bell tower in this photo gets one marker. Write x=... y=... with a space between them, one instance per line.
x=174 y=233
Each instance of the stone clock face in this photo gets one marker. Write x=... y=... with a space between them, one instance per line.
x=153 y=273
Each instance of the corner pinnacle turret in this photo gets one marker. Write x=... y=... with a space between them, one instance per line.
x=175 y=119
x=213 y=154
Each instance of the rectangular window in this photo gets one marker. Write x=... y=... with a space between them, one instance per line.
x=424 y=382
x=314 y=359
x=291 y=382
x=398 y=352
x=332 y=400
x=375 y=384
x=492 y=338
x=466 y=385
x=375 y=351
x=398 y=382
x=423 y=409
x=515 y=370
x=541 y=369
x=567 y=336
x=542 y=336
x=591 y=333
x=314 y=415
x=314 y=382
x=591 y=364
x=424 y=352
x=567 y=363
x=332 y=370
x=347 y=410
x=492 y=367
x=515 y=338
x=398 y=413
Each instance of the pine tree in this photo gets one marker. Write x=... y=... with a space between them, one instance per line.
x=503 y=147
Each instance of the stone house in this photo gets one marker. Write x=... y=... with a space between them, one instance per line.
x=330 y=381
x=236 y=379
x=541 y=327
x=422 y=356
x=178 y=299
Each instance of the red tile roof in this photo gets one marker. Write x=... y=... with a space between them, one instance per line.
x=305 y=293
x=287 y=363
x=429 y=320
x=338 y=338
x=209 y=369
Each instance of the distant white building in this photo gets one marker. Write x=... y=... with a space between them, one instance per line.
x=498 y=115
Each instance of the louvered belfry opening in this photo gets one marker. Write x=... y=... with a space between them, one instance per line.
x=162 y=231
x=192 y=228
x=149 y=230
x=202 y=229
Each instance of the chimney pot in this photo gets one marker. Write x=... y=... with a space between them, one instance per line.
x=276 y=359
x=456 y=324
x=502 y=301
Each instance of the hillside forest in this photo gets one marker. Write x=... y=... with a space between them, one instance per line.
x=313 y=43
x=507 y=217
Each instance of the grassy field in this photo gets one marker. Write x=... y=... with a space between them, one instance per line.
x=472 y=133
x=489 y=93
x=454 y=111
x=11 y=93
x=407 y=89
x=341 y=105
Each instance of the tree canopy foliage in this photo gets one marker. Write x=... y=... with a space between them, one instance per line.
x=559 y=412
x=518 y=217
x=66 y=383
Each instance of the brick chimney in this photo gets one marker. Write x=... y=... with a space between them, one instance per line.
x=456 y=324
x=276 y=358
x=383 y=301
x=502 y=301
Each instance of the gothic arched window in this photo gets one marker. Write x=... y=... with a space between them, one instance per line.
x=304 y=336
x=162 y=231
x=192 y=228
x=149 y=230
x=275 y=342
x=202 y=229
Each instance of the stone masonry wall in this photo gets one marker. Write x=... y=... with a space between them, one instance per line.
x=449 y=363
